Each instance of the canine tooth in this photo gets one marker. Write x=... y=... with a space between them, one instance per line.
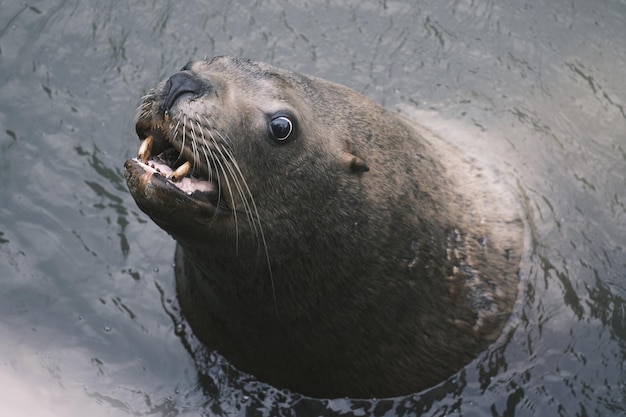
x=180 y=172
x=145 y=149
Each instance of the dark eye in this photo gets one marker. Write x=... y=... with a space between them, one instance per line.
x=281 y=128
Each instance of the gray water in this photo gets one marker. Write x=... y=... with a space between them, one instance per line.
x=89 y=323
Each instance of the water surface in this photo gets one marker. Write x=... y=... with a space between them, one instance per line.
x=88 y=317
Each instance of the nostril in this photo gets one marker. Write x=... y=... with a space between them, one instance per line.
x=180 y=84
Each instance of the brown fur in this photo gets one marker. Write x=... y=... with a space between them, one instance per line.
x=387 y=273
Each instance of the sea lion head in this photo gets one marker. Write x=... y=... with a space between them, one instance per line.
x=244 y=152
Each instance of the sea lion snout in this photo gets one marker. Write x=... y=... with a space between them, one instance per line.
x=181 y=84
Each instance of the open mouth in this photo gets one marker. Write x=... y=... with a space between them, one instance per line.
x=160 y=158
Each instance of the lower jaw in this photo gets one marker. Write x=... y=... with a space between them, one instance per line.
x=164 y=200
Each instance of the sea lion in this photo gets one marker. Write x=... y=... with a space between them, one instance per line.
x=325 y=244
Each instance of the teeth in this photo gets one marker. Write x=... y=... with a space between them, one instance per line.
x=180 y=172
x=145 y=149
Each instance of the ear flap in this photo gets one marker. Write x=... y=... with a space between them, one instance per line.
x=352 y=164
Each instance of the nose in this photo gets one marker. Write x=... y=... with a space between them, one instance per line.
x=181 y=84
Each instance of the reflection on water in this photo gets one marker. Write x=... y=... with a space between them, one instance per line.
x=88 y=318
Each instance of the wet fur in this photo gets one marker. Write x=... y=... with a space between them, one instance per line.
x=339 y=282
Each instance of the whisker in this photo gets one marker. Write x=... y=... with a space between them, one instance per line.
x=220 y=166
x=175 y=135
x=210 y=165
x=184 y=135
x=227 y=156
x=214 y=148
x=258 y=218
x=228 y=165
x=194 y=144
